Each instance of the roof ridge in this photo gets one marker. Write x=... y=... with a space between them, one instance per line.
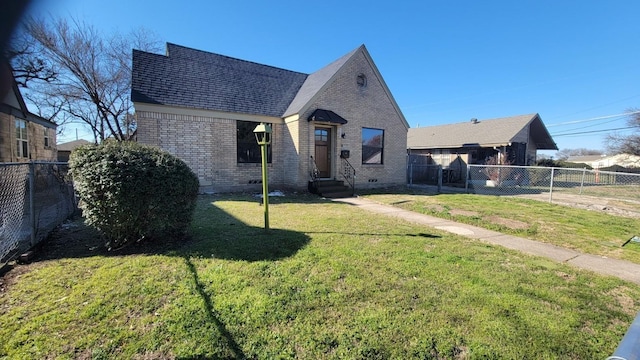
x=528 y=116
x=209 y=53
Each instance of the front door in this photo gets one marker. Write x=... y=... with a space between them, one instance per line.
x=323 y=151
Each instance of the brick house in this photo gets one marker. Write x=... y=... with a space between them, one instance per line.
x=203 y=107
x=23 y=136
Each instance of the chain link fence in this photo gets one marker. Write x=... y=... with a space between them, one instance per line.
x=516 y=180
x=542 y=182
x=35 y=197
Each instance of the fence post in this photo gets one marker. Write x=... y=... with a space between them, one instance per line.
x=439 y=178
x=32 y=208
x=410 y=173
x=466 y=179
x=551 y=186
x=584 y=172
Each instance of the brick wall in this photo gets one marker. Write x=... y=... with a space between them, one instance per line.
x=35 y=139
x=362 y=106
x=7 y=138
x=208 y=145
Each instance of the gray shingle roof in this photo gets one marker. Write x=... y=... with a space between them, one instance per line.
x=71 y=145
x=492 y=132
x=197 y=79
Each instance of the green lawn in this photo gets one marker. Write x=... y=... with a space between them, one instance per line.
x=329 y=281
x=590 y=232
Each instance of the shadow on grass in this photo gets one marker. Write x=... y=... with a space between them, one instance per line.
x=424 y=235
x=217 y=234
x=213 y=234
x=212 y=314
x=243 y=243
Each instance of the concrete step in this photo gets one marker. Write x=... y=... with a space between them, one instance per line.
x=338 y=194
x=327 y=183
x=334 y=188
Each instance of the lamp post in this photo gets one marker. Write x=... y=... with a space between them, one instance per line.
x=263 y=137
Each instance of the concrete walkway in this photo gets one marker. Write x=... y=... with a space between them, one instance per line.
x=624 y=270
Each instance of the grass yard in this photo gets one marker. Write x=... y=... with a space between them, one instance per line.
x=329 y=281
x=590 y=232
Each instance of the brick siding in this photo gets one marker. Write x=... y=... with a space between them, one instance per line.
x=35 y=139
x=207 y=143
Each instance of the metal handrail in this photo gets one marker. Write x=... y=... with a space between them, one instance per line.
x=314 y=173
x=349 y=174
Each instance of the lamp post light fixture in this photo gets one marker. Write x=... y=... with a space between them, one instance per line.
x=263 y=137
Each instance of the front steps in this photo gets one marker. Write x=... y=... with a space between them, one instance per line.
x=332 y=189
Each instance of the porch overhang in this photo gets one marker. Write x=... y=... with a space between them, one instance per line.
x=327 y=116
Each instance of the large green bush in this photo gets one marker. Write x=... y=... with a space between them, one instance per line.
x=131 y=192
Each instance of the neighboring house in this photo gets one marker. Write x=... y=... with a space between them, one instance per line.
x=203 y=108
x=514 y=140
x=65 y=149
x=24 y=136
x=604 y=161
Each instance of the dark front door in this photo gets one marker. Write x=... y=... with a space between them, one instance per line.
x=323 y=151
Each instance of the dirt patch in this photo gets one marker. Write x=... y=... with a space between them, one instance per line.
x=511 y=224
x=615 y=207
x=10 y=274
x=621 y=296
x=437 y=208
x=71 y=239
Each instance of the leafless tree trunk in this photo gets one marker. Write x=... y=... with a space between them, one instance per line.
x=90 y=78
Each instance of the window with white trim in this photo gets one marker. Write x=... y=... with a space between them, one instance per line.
x=22 y=144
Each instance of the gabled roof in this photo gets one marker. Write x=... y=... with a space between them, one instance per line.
x=484 y=133
x=13 y=103
x=198 y=79
x=71 y=145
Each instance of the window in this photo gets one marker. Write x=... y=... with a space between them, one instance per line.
x=372 y=146
x=322 y=135
x=22 y=145
x=248 y=148
x=46 y=137
x=361 y=80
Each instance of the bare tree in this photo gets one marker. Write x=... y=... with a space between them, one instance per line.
x=627 y=144
x=564 y=154
x=27 y=63
x=80 y=75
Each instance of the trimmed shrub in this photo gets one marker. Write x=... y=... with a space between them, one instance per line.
x=131 y=192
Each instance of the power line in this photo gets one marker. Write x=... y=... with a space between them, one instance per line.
x=594 y=131
x=594 y=119
x=611 y=103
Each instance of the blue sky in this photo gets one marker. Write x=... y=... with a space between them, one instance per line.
x=444 y=61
